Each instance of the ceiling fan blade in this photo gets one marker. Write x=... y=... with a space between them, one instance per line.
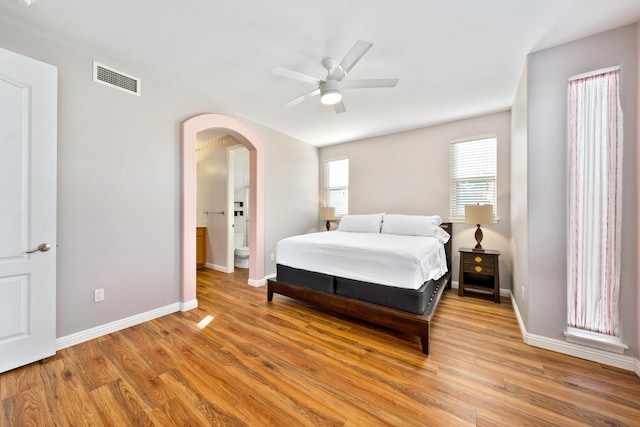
x=301 y=98
x=283 y=72
x=339 y=107
x=355 y=54
x=368 y=83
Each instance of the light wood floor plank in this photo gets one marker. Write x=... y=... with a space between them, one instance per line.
x=62 y=377
x=28 y=408
x=284 y=363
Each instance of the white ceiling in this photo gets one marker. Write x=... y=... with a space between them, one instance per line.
x=454 y=58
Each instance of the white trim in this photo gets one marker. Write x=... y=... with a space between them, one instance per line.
x=257 y=283
x=189 y=305
x=595 y=340
x=575 y=350
x=637 y=367
x=456 y=220
x=221 y=268
x=331 y=159
x=99 y=331
x=523 y=330
x=594 y=73
x=473 y=138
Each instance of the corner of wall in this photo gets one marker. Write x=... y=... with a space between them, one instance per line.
x=638 y=202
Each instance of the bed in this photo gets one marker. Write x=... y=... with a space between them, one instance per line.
x=390 y=270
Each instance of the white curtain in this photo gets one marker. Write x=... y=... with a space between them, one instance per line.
x=595 y=168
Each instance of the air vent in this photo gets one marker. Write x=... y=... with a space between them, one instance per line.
x=110 y=77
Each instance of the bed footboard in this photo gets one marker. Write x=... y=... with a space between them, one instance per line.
x=402 y=321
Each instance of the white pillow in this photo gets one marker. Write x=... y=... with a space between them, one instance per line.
x=361 y=223
x=439 y=233
x=414 y=225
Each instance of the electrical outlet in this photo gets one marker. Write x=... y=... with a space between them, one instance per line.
x=273 y=257
x=98 y=295
x=523 y=292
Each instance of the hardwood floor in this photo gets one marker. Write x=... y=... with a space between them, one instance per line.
x=286 y=364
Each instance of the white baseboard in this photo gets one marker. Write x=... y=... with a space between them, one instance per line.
x=189 y=305
x=221 y=268
x=251 y=282
x=575 y=350
x=257 y=283
x=98 y=331
x=261 y=282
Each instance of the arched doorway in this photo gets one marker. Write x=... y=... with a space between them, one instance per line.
x=246 y=137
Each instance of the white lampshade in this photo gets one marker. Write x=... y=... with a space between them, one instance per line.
x=327 y=214
x=478 y=214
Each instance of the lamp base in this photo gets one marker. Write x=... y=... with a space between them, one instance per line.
x=478 y=237
x=328 y=225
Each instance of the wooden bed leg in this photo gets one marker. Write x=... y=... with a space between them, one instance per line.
x=269 y=291
x=424 y=337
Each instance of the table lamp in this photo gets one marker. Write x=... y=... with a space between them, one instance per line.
x=478 y=214
x=327 y=214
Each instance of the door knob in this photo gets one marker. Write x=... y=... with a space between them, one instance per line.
x=44 y=247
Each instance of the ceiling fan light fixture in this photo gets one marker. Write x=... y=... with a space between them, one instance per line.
x=330 y=92
x=331 y=98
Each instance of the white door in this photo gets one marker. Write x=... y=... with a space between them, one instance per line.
x=28 y=115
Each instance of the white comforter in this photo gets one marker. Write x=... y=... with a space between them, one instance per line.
x=386 y=259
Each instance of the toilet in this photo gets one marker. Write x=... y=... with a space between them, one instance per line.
x=241 y=252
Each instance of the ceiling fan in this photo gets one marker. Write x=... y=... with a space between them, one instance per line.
x=330 y=89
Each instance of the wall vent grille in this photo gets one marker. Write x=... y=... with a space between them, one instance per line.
x=110 y=77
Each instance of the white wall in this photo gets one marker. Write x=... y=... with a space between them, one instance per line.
x=638 y=206
x=519 y=198
x=408 y=173
x=291 y=190
x=241 y=194
x=211 y=176
x=118 y=186
x=547 y=75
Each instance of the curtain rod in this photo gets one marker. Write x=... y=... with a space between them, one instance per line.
x=594 y=73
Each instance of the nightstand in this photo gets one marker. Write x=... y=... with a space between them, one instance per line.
x=479 y=273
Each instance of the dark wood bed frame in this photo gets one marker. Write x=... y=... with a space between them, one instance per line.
x=399 y=320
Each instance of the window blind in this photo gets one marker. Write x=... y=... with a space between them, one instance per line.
x=336 y=182
x=473 y=175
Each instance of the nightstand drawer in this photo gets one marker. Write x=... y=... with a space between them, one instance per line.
x=479 y=258
x=479 y=268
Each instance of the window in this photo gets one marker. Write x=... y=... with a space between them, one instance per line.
x=336 y=185
x=595 y=171
x=473 y=175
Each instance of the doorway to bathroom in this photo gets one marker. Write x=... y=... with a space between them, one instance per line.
x=188 y=210
x=222 y=201
x=238 y=205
